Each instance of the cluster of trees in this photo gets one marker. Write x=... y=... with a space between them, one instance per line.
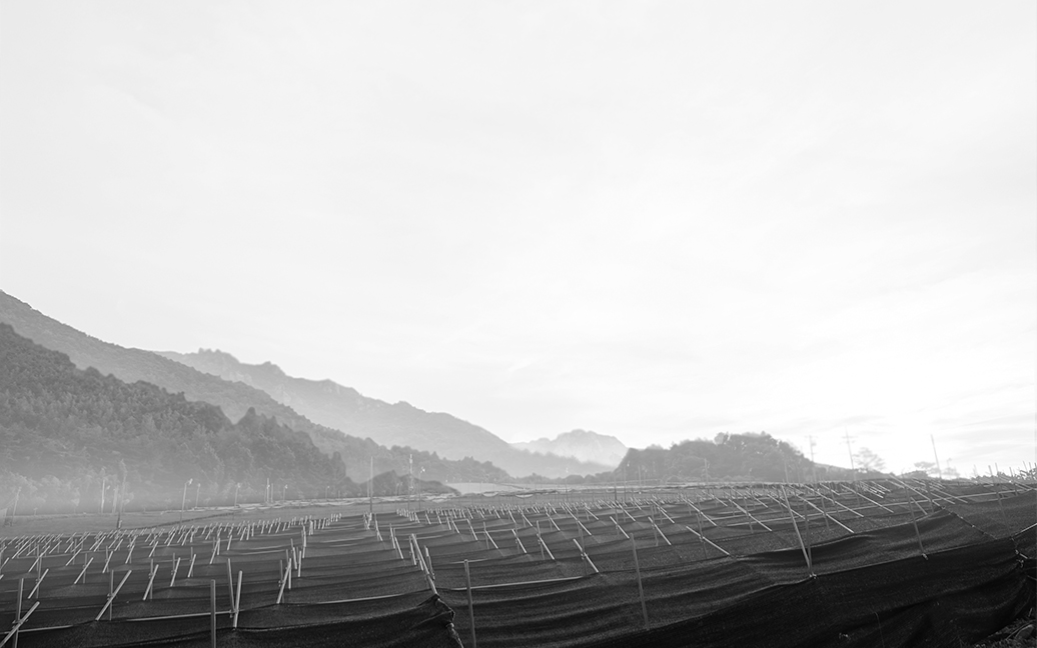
x=742 y=457
x=76 y=440
x=749 y=456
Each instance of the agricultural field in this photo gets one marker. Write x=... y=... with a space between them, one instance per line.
x=871 y=563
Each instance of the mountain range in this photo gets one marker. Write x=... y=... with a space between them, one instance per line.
x=337 y=418
x=583 y=445
x=344 y=408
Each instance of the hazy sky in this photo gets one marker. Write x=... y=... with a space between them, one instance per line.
x=653 y=220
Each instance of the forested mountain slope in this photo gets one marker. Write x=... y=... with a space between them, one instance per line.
x=234 y=398
x=64 y=430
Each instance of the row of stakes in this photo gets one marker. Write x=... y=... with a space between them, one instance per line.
x=75 y=545
x=43 y=546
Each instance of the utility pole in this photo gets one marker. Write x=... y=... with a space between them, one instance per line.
x=183 y=500
x=121 y=505
x=939 y=472
x=849 y=448
x=813 y=466
x=370 y=489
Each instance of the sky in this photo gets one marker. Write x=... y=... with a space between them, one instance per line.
x=654 y=220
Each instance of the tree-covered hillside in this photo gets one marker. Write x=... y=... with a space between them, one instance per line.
x=746 y=457
x=66 y=433
x=236 y=398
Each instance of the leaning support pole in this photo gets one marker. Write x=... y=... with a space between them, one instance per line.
x=543 y=545
x=82 y=574
x=176 y=567
x=825 y=514
x=18 y=606
x=237 y=603
x=151 y=583
x=428 y=564
x=230 y=583
x=918 y=534
x=471 y=605
x=661 y=534
x=640 y=587
x=584 y=555
x=802 y=545
x=284 y=580
x=111 y=597
x=703 y=538
x=38 y=582
x=19 y=620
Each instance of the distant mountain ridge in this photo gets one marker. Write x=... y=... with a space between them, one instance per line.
x=344 y=408
x=235 y=399
x=580 y=444
x=360 y=423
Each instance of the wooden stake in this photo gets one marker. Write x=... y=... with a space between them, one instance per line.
x=918 y=535
x=802 y=545
x=111 y=596
x=18 y=608
x=237 y=602
x=640 y=587
x=82 y=574
x=212 y=612
x=471 y=604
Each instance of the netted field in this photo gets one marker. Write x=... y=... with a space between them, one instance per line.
x=876 y=563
